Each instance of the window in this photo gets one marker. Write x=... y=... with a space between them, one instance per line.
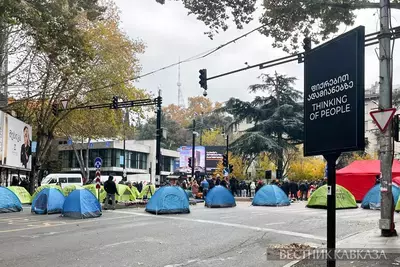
x=75 y=180
x=166 y=164
x=62 y=180
x=53 y=181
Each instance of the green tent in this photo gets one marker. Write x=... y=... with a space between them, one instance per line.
x=40 y=188
x=22 y=194
x=344 y=199
x=92 y=188
x=148 y=190
x=125 y=193
x=397 y=208
x=135 y=192
x=69 y=188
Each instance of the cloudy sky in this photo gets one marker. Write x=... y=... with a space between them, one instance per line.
x=169 y=34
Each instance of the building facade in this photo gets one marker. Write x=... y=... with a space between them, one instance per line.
x=140 y=158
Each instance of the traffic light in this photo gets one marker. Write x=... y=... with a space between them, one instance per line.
x=54 y=109
x=396 y=127
x=230 y=168
x=115 y=102
x=307 y=44
x=225 y=160
x=159 y=100
x=190 y=162
x=203 y=78
x=279 y=174
x=268 y=175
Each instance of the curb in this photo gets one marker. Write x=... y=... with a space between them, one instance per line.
x=243 y=199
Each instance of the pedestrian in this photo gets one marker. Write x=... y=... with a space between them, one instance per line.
x=204 y=185
x=111 y=189
x=218 y=181
x=285 y=186
x=294 y=187
x=252 y=189
x=224 y=183
x=195 y=188
x=303 y=190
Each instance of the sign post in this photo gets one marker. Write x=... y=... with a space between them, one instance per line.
x=97 y=164
x=334 y=110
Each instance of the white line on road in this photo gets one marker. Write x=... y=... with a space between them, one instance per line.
x=120 y=243
x=248 y=227
x=227 y=217
x=275 y=223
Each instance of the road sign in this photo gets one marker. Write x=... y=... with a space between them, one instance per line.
x=383 y=117
x=98 y=180
x=98 y=162
x=334 y=95
x=98 y=174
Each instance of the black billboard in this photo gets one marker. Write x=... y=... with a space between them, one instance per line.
x=213 y=156
x=334 y=95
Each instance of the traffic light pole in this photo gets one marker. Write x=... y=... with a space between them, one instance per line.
x=193 y=147
x=158 y=138
x=227 y=152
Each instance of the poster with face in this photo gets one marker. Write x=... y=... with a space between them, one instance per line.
x=17 y=148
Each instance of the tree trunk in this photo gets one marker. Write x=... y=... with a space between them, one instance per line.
x=87 y=162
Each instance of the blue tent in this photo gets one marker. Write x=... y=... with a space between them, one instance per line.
x=219 y=197
x=81 y=204
x=270 y=195
x=372 y=200
x=168 y=200
x=9 y=202
x=48 y=201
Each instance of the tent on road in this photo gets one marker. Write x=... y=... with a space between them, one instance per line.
x=360 y=176
x=270 y=195
x=48 y=201
x=125 y=193
x=147 y=191
x=81 y=204
x=168 y=200
x=372 y=199
x=40 y=188
x=344 y=199
x=22 y=194
x=220 y=197
x=69 y=188
x=95 y=192
x=9 y=201
x=135 y=192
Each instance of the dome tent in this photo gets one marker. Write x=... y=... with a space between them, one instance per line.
x=220 y=197
x=372 y=199
x=69 y=188
x=344 y=199
x=168 y=200
x=147 y=191
x=40 y=188
x=95 y=192
x=125 y=193
x=270 y=195
x=48 y=201
x=9 y=201
x=22 y=194
x=81 y=204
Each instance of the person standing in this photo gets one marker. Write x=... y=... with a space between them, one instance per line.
x=111 y=188
x=252 y=189
x=195 y=189
x=204 y=185
x=285 y=186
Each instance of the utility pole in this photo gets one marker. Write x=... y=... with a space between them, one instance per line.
x=193 y=146
x=158 y=136
x=386 y=223
x=201 y=128
x=126 y=119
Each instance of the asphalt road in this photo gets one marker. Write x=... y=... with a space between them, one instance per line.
x=206 y=237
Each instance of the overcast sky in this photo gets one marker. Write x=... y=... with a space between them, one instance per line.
x=169 y=34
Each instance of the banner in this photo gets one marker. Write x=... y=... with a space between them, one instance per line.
x=213 y=156
x=199 y=156
x=17 y=143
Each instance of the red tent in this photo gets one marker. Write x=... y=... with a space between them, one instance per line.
x=360 y=176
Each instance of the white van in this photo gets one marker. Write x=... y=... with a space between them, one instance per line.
x=63 y=178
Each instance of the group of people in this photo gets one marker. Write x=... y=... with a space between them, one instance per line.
x=20 y=182
x=299 y=190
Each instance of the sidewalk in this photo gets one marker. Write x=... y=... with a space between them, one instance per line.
x=368 y=240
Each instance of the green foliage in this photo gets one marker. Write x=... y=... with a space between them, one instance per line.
x=277 y=119
x=287 y=21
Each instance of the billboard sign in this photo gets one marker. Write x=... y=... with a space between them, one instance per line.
x=17 y=143
x=213 y=156
x=334 y=95
x=199 y=156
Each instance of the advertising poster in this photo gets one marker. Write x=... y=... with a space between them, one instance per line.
x=213 y=156
x=17 y=143
x=199 y=156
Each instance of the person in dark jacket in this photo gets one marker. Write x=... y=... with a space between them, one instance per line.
x=294 y=187
x=285 y=186
x=218 y=181
x=111 y=188
x=303 y=190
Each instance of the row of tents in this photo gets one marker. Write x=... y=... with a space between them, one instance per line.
x=79 y=203
x=125 y=193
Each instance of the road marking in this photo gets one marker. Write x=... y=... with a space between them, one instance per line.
x=275 y=223
x=227 y=217
x=120 y=243
x=248 y=227
x=66 y=223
